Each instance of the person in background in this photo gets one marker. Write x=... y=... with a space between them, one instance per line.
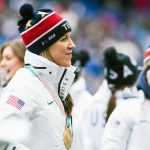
x=36 y=107
x=128 y=127
x=81 y=96
x=121 y=73
x=79 y=90
x=11 y=59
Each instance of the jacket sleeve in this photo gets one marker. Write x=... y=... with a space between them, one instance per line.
x=117 y=130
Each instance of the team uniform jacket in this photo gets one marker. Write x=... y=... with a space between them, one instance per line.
x=82 y=98
x=93 y=122
x=129 y=126
x=92 y=127
x=29 y=115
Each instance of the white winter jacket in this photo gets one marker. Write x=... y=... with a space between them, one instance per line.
x=82 y=99
x=30 y=118
x=129 y=126
x=92 y=127
x=93 y=122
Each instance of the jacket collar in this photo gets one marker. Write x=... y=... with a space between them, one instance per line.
x=59 y=77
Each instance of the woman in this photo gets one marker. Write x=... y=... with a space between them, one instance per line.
x=37 y=101
x=11 y=59
x=120 y=76
x=80 y=94
x=79 y=90
x=128 y=127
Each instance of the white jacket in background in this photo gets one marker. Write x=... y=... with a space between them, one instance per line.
x=129 y=126
x=82 y=99
x=93 y=122
x=92 y=127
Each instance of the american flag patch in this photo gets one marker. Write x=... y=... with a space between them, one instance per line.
x=16 y=102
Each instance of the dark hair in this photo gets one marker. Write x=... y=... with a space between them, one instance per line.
x=112 y=102
x=82 y=56
x=79 y=60
x=69 y=105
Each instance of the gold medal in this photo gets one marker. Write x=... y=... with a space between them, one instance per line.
x=67 y=137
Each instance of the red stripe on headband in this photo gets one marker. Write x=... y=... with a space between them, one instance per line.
x=39 y=29
x=147 y=54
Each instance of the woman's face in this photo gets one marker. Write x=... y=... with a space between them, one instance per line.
x=148 y=76
x=10 y=62
x=61 y=51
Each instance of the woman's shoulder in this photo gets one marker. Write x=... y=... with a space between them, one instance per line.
x=25 y=85
x=24 y=79
x=130 y=108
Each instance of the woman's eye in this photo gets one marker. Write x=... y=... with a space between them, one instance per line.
x=8 y=58
x=64 y=39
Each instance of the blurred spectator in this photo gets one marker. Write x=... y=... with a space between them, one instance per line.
x=120 y=73
x=80 y=94
x=79 y=89
x=128 y=127
x=12 y=57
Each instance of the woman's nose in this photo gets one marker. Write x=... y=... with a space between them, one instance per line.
x=2 y=63
x=71 y=44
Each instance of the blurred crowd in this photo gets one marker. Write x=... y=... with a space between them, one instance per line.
x=102 y=101
x=97 y=24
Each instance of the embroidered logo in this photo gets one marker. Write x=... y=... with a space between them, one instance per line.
x=49 y=103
